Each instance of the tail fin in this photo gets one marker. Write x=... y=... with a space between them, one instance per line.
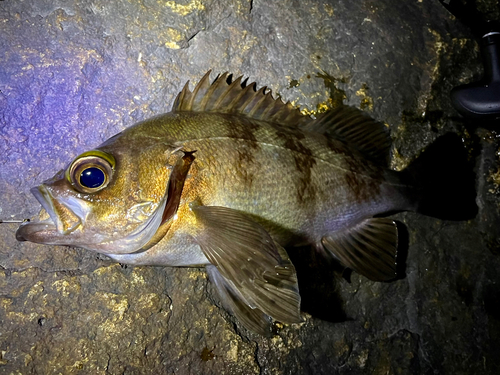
x=445 y=180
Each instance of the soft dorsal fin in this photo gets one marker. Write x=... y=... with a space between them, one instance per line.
x=237 y=97
x=356 y=128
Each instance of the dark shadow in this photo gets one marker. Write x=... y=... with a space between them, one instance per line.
x=321 y=276
x=444 y=174
x=403 y=246
x=318 y=283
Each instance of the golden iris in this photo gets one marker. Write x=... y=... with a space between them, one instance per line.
x=91 y=171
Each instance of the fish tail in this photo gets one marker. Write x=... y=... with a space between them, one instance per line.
x=444 y=181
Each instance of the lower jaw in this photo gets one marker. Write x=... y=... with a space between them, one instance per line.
x=43 y=232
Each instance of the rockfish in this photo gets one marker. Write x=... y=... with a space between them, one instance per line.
x=227 y=180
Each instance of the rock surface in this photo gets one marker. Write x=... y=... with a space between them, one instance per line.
x=73 y=73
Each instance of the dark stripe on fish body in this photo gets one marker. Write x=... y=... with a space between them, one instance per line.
x=244 y=130
x=306 y=192
x=362 y=179
x=304 y=162
x=364 y=183
x=334 y=147
x=246 y=157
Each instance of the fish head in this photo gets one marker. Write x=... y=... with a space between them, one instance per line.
x=110 y=199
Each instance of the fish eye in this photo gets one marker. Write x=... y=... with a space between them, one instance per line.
x=91 y=171
x=92 y=177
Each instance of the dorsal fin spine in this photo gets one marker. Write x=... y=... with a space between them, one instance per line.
x=259 y=101
x=217 y=88
x=180 y=98
x=267 y=110
x=237 y=97
x=204 y=84
x=245 y=103
x=221 y=98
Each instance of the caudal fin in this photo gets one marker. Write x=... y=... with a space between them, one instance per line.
x=445 y=180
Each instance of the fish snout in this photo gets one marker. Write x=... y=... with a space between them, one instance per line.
x=65 y=214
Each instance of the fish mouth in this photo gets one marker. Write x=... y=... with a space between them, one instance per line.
x=40 y=193
x=50 y=230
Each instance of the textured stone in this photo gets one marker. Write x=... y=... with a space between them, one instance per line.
x=73 y=73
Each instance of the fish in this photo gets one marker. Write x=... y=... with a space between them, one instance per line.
x=233 y=179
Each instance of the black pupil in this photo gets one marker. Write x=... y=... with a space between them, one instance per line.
x=92 y=178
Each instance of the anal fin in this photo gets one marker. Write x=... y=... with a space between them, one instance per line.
x=369 y=248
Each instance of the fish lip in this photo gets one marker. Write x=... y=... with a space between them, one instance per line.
x=43 y=197
x=37 y=232
x=54 y=224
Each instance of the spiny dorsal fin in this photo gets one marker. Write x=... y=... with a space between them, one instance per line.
x=357 y=129
x=237 y=97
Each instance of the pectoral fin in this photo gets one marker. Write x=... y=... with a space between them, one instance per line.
x=369 y=248
x=256 y=275
x=252 y=318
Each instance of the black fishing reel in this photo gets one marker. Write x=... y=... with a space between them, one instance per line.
x=479 y=100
